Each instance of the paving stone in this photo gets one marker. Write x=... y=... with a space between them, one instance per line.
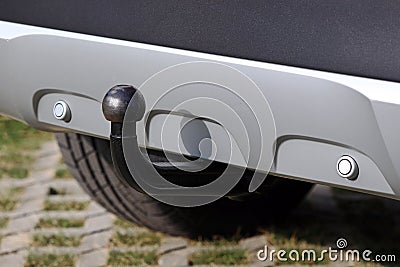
x=55 y=250
x=72 y=215
x=101 y=222
x=22 y=224
x=47 y=149
x=41 y=177
x=10 y=182
x=95 y=241
x=129 y=230
x=37 y=177
x=14 y=259
x=96 y=208
x=178 y=258
x=65 y=231
x=170 y=244
x=19 y=214
x=32 y=200
x=94 y=258
x=47 y=157
x=15 y=242
x=71 y=187
x=254 y=243
x=34 y=204
x=68 y=198
x=32 y=193
x=134 y=249
x=45 y=163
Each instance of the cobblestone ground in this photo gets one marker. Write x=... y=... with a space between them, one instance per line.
x=46 y=216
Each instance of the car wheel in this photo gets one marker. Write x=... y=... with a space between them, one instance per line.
x=89 y=161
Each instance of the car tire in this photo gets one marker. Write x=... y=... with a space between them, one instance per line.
x=89 y=161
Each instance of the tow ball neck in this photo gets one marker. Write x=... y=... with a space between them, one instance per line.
x=115 y=105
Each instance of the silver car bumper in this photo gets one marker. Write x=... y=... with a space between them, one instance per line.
x=317 y=116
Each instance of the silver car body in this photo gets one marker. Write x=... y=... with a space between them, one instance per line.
x=318 y=116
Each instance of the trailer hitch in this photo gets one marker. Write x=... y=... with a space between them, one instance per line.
x=115 y=105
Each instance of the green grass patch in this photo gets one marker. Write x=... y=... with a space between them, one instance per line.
x=49 y=260
x=17 y=140
x=62 y=172
x=132 y=258
x=217 y=241
x=140 y=239
x=65 y=205
x=124 y=224
x=219 y=257
x=3 y=222
x=8 y=198
x=292 y=243
x=59 y=223
x=7 y=204
x=56 y=240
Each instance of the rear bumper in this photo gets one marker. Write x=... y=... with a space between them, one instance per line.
x=318 y=116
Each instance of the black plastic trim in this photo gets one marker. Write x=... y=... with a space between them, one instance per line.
x=357 y=37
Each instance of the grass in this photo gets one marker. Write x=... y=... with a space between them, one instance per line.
x=62 y=172
x=56 y=240
x=17 y=140
x=7 y=204
x=218 y=241
x=49 y=260
x=123 y=223
x=65 y=205
x=219 y=257
x=305 y=234
x=3 y=222
x=293 y=243
x=140 y=239
x=8 y=200
x=59 y=223
x=132 y=258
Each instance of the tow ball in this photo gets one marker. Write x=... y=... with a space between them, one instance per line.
x=115 y=105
